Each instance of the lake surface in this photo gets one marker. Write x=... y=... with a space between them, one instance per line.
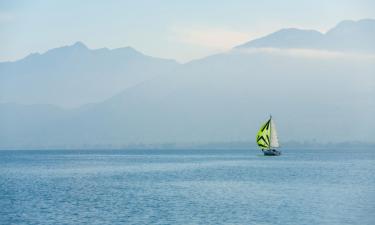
x=326 y=186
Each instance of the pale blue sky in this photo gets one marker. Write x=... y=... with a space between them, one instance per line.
x=182 y=30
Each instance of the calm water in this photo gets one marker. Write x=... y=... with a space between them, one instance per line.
x=187 y=187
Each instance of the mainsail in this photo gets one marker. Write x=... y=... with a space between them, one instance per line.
x=267 y=135
x=274 y=139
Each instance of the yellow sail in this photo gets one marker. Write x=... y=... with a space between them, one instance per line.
x=263 y=136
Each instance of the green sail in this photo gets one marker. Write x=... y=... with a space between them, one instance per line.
x=263 y=136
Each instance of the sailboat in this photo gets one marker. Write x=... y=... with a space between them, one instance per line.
x=267 y=138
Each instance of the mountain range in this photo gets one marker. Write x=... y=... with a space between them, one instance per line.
x=317 y=87
x=355 y=36
x=73 y=75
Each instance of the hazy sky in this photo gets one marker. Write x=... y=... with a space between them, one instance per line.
x=181 y=30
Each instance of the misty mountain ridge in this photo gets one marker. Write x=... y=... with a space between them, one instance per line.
x=346 y=36
x=220 y=98
x=79 y=48
x=75 y=75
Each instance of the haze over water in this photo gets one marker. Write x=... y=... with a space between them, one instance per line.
x=187 y=75
x=326 y=186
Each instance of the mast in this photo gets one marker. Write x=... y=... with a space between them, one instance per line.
x=269 y=146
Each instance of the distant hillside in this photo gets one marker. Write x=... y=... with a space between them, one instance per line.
x=346 y=36
x=74 y=75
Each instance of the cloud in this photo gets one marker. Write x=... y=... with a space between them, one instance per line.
x=6 y=17
x=307 y=53
x=208 y=37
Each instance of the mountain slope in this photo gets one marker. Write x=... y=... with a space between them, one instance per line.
x=225 y=98
x=346 y=36
x=74 y=75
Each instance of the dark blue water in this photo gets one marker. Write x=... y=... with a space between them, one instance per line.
x=187 y=187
